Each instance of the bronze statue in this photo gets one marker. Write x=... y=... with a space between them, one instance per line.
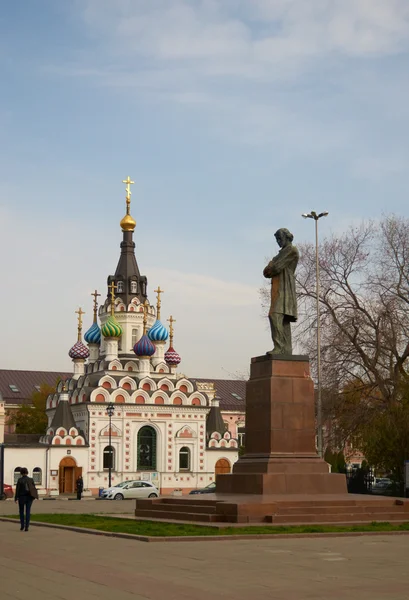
x=283 y=309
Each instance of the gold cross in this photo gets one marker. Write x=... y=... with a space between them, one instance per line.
x=79 y=312
x=113 y=288
x=95 y=294
x=171 y=321
x=128 y=183
x=145 y=316
x=159 y=292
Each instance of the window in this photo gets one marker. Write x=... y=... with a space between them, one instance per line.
x=17 y=474
x=184 y=459
x=109 y=457
x=147 y=449
x=37 y=476
x=120 y=287
x=37 y=387
x=236 y=396
x=241 y=435
x=134 y=337
x=14 y=388
x=134 y=287
x=226 y=426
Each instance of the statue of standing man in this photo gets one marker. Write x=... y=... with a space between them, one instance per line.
x=283 y=309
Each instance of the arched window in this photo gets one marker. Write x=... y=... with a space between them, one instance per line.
x=109 y=457
x=38 y=476
x=147 y=449
x=17 y=474
x=134 y=287
x=134 y=337
x=120 y=287
x=184 y=459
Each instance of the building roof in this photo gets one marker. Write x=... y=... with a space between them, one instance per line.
x=231 y=392
x=17 y=386
x=63 y=416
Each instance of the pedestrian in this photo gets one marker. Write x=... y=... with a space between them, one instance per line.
x=80 y=487
x=26 y=492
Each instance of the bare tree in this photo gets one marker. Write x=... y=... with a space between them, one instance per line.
x=364 y=312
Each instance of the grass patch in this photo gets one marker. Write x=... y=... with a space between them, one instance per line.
x=154 y=529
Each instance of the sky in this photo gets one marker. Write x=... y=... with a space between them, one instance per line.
x=233 y=117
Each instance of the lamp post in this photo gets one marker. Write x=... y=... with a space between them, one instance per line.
x=110 y=412
x=316 y=217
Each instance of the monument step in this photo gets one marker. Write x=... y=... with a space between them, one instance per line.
x=345 y=500
x=190 y=501
x=181 y=516
x=308 y=518
x=194 y=508
x=338 y=509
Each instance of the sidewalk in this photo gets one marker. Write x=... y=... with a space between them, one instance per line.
x=47 y=565
x=8 y=507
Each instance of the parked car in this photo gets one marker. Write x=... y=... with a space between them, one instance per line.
x=383 y=487
x=209 y=489
x=8 y=490
x=131 y=489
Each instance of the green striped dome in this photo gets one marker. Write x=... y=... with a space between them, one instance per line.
x=111 y=328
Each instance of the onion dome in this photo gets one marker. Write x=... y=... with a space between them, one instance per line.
x=111 y=328
x=93 y=335
x=128 y=223
x=158 y=332
x=172 y=358
x=144 y=347
x=78 y=351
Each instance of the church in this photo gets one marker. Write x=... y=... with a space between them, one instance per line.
x=125 y=412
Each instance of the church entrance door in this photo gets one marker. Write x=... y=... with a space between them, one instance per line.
x=222 y=466
x=68 y=473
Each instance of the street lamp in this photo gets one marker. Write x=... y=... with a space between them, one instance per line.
x=313 y=215
x=110 y=412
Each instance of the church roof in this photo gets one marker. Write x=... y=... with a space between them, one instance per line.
x=214 y=421
x=63 y=416
x=231 y=392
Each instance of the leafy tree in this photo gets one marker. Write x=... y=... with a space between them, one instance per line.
x=32 y=418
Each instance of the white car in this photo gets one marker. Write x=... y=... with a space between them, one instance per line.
x=131 y=489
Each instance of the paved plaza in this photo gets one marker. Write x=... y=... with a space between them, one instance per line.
x=51 y=564
x=41 y=507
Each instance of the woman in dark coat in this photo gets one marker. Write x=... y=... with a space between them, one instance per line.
x=25 y=494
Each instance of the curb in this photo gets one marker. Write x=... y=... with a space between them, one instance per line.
x=208 y=538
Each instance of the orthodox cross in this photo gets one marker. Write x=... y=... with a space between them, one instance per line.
x=128 y=183
x=159 y=292
x=95 y=294
x=79 y=312
x=145 y=316
x=171 y=321
x=112 y=287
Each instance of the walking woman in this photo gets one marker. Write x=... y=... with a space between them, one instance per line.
x=26 y=492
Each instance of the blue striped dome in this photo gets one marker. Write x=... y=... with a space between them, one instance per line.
x=93 y=335
x=144 y=347
x=158 y=332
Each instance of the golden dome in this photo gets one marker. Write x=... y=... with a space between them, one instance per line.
x=128 y=223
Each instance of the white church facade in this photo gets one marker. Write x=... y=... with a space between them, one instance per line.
x=125 y=411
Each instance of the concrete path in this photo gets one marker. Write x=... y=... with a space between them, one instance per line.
x=40 y=507
x=47 y=564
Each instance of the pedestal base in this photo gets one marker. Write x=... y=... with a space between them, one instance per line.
x=281 y=483
x=281 y=456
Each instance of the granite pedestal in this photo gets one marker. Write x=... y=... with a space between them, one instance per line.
x=281 y=456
